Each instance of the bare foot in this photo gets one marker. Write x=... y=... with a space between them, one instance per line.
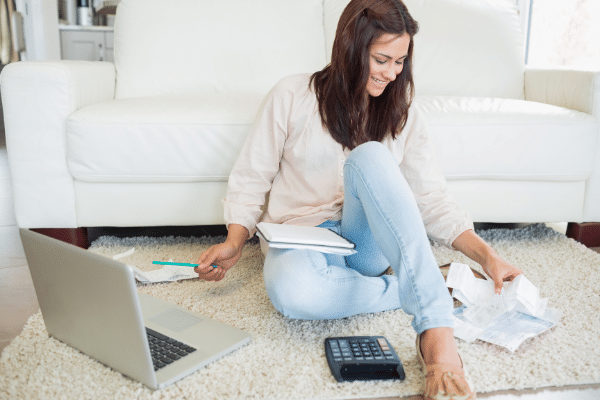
x=438 y=347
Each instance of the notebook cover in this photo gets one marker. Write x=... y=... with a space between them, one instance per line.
x=312 y=235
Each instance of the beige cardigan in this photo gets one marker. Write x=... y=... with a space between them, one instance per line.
x=290 y=156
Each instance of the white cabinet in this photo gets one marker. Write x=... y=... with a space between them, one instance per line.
x=86 y=43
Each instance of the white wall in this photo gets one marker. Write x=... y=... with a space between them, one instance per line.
x=40 y=29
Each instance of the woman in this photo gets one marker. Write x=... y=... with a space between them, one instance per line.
x=345 y=149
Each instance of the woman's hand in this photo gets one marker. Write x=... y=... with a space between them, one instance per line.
x=500 y=271
x=474 y=247
x=223 y=256
x=214 y=263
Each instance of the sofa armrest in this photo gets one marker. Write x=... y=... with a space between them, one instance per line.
x=37 y=98
x=574 y=89
x=579 y=91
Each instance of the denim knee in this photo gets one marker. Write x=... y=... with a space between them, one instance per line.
x=292 y=301
x=370 y=152
x=291 y=285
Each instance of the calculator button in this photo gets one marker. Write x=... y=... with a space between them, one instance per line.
x=352 y=358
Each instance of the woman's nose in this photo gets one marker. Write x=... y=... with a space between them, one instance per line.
x=391 y=73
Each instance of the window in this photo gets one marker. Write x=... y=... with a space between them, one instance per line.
x=564 y=33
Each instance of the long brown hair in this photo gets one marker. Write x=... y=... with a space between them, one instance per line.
x=350 y=116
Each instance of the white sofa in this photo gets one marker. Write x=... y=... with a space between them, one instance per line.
x=150 y=140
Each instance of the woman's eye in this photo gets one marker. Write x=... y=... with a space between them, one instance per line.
x=380 y=61
x=401 y=62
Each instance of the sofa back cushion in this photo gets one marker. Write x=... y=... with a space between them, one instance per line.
x=463 y=48
x=170 y=47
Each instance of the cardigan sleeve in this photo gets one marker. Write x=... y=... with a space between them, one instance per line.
x=258 y=162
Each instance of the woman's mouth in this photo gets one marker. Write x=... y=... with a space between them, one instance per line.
x=379 y=82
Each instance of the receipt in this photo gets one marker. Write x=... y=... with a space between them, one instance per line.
x=482 y=315
x=466 y=288
x=466 y=331
x=525 y=296
x=520 y=294
x=169 y=273
x=508 y=319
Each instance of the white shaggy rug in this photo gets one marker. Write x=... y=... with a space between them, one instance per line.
x=286 y=359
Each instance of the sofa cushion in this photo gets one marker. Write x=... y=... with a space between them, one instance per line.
x=506 y=139
x=164 y=47
x=463 y=48
x=169 y=139
x=159 y=139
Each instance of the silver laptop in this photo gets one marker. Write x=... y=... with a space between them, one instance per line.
x=90 y=302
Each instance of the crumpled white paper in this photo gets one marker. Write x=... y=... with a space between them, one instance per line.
x=507 y=319
x=169 y=273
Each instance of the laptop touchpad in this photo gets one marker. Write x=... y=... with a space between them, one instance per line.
x=175 y=320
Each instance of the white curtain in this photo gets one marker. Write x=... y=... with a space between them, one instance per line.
x=7 y=50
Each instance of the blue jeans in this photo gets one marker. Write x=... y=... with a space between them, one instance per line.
x=380 y=215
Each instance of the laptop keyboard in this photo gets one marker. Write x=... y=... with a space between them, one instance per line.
x=165 y=350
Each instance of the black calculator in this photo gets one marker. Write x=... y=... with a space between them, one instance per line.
x=361 y=358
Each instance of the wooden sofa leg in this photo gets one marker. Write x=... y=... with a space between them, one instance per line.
x=586 y=233
x=75 y=236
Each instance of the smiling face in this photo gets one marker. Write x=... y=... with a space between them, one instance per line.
x=386 y=60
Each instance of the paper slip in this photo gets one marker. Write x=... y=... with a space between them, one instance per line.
x=507 y=319
x=470 y=291
x=508 y=331
x=169 y=273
